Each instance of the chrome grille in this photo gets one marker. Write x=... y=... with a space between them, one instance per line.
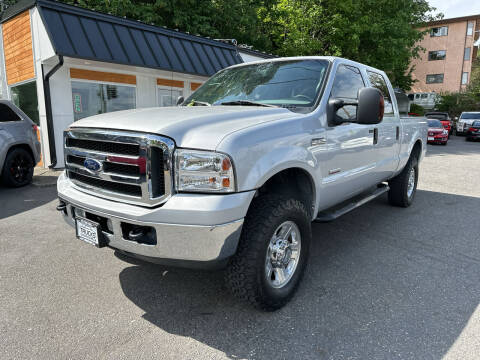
x=131 y=167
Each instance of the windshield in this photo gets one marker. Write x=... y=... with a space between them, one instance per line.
x=476 y=123
x=470 y=116
x=292 y=84
x=434 y=124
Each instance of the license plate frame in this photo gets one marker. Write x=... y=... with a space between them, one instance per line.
x=430 y=138
x=88 y=231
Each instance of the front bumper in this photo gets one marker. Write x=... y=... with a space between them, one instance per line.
x=190 y=228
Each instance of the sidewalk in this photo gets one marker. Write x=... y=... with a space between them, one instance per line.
x=45 y=177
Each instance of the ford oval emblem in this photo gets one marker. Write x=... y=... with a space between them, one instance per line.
x=92 y=165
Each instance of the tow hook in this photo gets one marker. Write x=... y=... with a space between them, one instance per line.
x=61 y=206
x=136 y=233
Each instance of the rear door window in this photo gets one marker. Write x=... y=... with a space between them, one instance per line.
x=7 y=114
x=378 y=81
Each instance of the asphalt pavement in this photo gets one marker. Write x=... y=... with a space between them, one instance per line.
x=382 y=283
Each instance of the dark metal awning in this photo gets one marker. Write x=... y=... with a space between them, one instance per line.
x=79 y=33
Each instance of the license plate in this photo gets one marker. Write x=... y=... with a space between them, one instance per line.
x=430 y=138
x=87 y=231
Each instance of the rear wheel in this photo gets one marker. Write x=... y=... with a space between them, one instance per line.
x=272 y=252
x=404 y=186
x=18 y=168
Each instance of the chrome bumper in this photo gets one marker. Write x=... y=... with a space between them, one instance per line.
x=186 y=243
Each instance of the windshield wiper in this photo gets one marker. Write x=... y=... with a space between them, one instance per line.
x=246 y=102
x=198 y=103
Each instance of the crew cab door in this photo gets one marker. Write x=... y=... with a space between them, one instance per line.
x=347 y=166
x=387 y=142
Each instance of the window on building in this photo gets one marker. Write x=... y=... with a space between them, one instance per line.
x=377 y=81
x=423 y=96
x=437 y=55
x=470 y=26
x=466 y=54
x=167 y=96
x=91 y=98
x=7 y=114
x=464 y=78
x=435 y=79
x=439 y=31
x=348 y=81
x=25 y=97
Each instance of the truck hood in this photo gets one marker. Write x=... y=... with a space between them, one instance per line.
x=200 y=127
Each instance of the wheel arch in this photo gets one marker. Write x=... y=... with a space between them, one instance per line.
x=13 y=147
x=293 y=180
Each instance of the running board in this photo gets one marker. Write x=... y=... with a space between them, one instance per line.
x=337 y=211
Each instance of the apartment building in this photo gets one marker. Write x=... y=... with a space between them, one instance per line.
x=445 y=66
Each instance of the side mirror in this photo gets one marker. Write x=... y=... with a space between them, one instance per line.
x=371 y=106
x=180 y=100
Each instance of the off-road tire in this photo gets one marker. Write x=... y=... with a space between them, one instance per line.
x=398 y=193
x=245 y=272
x=9 y=177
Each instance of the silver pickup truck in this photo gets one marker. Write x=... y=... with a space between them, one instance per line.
x=236 y=173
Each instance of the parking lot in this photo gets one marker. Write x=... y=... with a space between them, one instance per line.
x=382 y=283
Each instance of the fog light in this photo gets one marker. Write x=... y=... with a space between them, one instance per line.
x=79 y=212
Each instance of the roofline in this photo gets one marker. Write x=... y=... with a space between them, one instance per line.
x=23 y=5
x=453 y=20
x=16 y=9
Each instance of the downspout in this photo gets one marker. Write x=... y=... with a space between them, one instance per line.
x=48 y=109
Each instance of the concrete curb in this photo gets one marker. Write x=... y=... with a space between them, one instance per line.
x=45 y=177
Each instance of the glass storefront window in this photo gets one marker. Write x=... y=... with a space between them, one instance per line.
x=94 y=98
x=25 y=97
x=168 y=96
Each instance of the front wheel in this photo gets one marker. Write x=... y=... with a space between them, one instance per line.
x=18 y=168
x=272 y=252
x=404 y=186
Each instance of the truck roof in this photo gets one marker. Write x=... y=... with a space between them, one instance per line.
x=332 y=59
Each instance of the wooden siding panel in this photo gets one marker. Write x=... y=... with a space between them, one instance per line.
x=17 y=44
x=102 y=76
x=168 y=82
x=194 y=86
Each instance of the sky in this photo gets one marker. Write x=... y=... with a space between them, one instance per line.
x=456 y=8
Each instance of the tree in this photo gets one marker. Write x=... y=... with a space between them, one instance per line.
x=380 y=33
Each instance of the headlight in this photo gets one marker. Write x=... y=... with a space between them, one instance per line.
x=203 y=171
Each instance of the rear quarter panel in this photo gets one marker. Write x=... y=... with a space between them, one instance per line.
x=414 y=129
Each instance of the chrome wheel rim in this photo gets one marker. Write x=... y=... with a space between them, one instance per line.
x=411 y=182
x=283 y=254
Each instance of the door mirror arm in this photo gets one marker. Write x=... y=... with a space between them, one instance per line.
x=336 y=104
x=370 y=108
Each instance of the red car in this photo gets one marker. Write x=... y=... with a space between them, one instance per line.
x=444 y=119
x=436 y=132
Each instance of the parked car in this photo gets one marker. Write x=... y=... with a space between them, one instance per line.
x=235 y=175
x=466 y=120
x=437 y=134
x=444 y=119
x=19 y=146
x=473 y=132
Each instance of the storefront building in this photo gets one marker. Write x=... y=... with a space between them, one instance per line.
x=60 y=63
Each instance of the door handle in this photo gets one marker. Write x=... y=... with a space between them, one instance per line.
x=398 y=133
x=375 y=135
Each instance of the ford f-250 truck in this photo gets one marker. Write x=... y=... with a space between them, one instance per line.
x=236 y=173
